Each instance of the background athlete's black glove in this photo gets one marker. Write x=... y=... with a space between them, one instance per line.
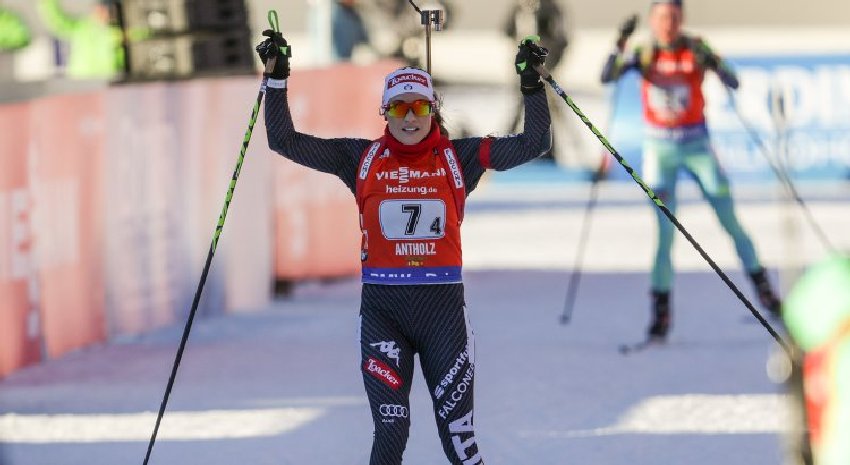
x=530 y=54
x=275 y=46
x=626 y=30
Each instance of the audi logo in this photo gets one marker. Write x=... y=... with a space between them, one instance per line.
x=395 y=411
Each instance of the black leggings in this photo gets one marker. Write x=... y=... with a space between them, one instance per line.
x=397 y=322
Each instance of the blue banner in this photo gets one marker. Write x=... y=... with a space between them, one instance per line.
x=811 y=138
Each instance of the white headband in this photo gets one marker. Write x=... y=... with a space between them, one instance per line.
x=406 y=80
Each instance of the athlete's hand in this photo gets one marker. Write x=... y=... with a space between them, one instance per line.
x=626 y=30
x=275 y=46
x=529 y=55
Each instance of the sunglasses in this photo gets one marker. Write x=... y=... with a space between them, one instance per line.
x=399 y=109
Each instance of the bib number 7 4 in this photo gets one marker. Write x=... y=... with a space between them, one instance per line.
x=412 y=219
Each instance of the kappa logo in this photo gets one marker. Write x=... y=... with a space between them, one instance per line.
x=388 y=348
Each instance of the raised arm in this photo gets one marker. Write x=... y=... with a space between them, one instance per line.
x=534 y=141
x=502 y=153
x=619 y=62
x=335 y=156
x=57 y=21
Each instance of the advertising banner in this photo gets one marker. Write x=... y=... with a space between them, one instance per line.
x=145 y=196
x=246 y=249
x=65 y=169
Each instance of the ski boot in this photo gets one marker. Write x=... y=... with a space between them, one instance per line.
x=764 y=291
x=660 y=317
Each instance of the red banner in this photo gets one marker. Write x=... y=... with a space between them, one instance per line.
x=65 y=172
x=19 y=328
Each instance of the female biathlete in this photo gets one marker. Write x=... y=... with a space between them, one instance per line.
x=410 y=185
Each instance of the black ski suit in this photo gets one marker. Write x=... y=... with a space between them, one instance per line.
x=398 y=321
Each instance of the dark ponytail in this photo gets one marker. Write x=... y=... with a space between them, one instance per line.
x=438 y=116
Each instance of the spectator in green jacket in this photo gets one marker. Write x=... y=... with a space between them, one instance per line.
x=14 y=34
x=95 y=46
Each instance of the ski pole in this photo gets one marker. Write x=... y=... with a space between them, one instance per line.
x=544 y=73
x=575 y=276
x=273 y=21
x=782 y=175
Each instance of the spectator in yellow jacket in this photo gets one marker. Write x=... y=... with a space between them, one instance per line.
x=95 y=45
x=14 y=34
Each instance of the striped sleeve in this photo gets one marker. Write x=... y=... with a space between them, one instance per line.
x=478 y=154
x=339 y=156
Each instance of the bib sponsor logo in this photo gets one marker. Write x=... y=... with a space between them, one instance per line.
x=421 y=190
x=404 y=174
x=392 y=275
x=382 y=372
x=673 y=66
x=426 y=249
x=367 y=161
x=455 y=169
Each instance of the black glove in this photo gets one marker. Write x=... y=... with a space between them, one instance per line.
x=530 y=54
x=626 y=30
x=275 y=46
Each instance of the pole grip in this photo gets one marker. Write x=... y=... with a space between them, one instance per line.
x=270 y=64
x=274 y=24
